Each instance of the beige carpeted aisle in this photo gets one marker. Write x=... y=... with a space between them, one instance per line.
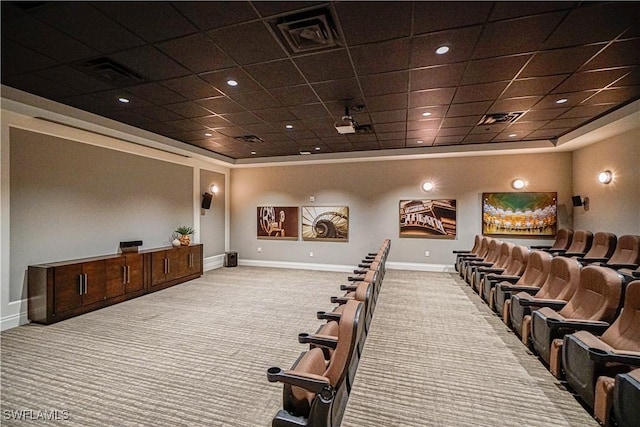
x=196 y=355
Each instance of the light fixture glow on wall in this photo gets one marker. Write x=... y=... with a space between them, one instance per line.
x=214 y=189
x=427 y=186
x=518 y=184
x=605 y=177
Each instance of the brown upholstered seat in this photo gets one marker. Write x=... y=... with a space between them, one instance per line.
x=626 y=255
x=460 y=254
x=558 y=288
x=315 y=390
x=580 y=244
x=485 y=268
x=595 y=301
x=603 y=246
x=534 y=276
x=616 y=401
x=586 y=356
x=489 y=247
x=517 y=264
x=562 y=242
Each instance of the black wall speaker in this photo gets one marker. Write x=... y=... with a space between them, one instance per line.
x=206 y=200
x=231 y=259
x=577 y=201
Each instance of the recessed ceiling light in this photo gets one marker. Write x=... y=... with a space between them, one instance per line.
x=561 y=101
x=123 y=100
x=232 y=82
x=442 y=50
x=426 y=114
x=253 y=153
x=317 y=148
x=419 y=141
x=305 y=152
x=513 y=135
x=289 y=126
x=207 y=134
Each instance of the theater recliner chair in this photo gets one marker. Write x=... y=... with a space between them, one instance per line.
x=492 y=255
x=603 y=246
x=481 y=269
x=315 y=391
x=477 y=243
x=562 y=242
x=626 y=255
x=587 y=356
x=558 y=288
x=594 y=305
x=532 y=279
x=479 y=255
x=517 y=264
x=617 y=400
x=580 y=244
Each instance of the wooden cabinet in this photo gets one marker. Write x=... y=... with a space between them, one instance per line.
x=65 y=289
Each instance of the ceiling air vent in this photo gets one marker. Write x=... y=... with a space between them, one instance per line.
x=249 y=138
x=499 y=118
x=308 y=31
x=362 y=129
x=108 y=70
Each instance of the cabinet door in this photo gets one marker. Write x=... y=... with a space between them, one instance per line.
x=176 y=263
x=67 y=293
x=135 y=276
x=158 y=268
x=116 y=277
x=95 y=277
x=194 y=259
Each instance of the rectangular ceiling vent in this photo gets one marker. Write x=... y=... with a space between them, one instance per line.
x=499 y=118
x=249 y=138
x=109 y=71
x=309 y=31
x=363 y=129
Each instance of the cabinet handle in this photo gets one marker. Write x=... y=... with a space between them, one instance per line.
x=80 y=283
x=86 y=281
x=128 y=274
x=168 y=265
x=124 y=274
x=190 y=260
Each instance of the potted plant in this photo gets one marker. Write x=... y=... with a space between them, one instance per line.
x=184 y=234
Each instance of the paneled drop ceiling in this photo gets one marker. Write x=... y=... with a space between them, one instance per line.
x=298 y=65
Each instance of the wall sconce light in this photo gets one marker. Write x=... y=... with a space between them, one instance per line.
x=605 y=177
x=579 y=201
x=214 y=189
x=518 y=184
x=427 y=186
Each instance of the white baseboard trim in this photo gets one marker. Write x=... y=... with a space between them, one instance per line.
x=213 y=262
x=416 y=266
x=14 y=320
x=296 y=265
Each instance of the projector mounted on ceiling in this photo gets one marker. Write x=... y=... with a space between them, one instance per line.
x=347 y=124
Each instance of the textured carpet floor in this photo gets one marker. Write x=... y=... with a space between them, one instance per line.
x=196 y=355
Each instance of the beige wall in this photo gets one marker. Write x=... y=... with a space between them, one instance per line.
x=372 y=190
x=614 y=207
x=212 y=221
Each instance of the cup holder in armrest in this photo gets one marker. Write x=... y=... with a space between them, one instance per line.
x=303 y=338
x=273 y=373
x=598 y=354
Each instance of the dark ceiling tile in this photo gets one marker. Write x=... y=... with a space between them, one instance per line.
x=631 y=79
x=461 y=43
x=387 y=102
x=521 y=128
x=219 y=80
x=559 y=61
x=573 y=99
x=381 y=57
x=326 y=66
x=617 y=54
x=454 y=122
x=533 y=86
x=156 y=93
x=232 y=131
x=479 y=138
x=494 y=69
x=344 y=89
x=430 y=124
x=427 y=112
x=319 y=123
x=248 y=43
x=587 y=111
x=435 y=16
x=391 y=136
x=258 y=100
x=159 y=114
x=159 y=128
x=292 y=95
x=423 y=134
x=191 y=87
x=393 y=143
x=508 y=136
x=479 y=92
x=46 y=40
x=468 y=109
x=389 y=116
x=309 y=111
x=187 y=125
x=506 y=10
x=505 y=37
x=242 y=118
x=34 y=83
x=83 y=22
x=448 y=140
x=271 y=115
x=268 y=8
x=594 y=22
x=617 y=95
x=18 y=59
x=564 y=123
x=453 y=131
x=493 y=129
x=591 y=80
x=514 y=104
x=373 y=21
x=258 y=128
x=215 y=14
x=150 y=63
x=196 y=52
x=109 y=99
x=438 y=76
x=550 y=114
x=391 y=127
x=430 y=97
x=276 y=73
x=221 y=105
x=383 y=84
x=188 y=109
x=75 y=79
x=152 y=21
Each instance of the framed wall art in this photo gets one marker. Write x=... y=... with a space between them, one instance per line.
x=278 y=222
x=428 y=218
x=326 y=223
x=519 y=214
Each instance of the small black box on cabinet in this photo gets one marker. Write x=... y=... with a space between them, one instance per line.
x=131 y=246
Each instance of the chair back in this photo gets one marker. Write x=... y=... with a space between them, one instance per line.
x=537 y=271
x=581 y=241
x=563 y=239
x=624 y=333
x=562 y=281
x=597 y=296
x=627 y=250
x=604 y=244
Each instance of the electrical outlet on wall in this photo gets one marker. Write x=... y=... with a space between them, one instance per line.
x=310 y=253
x=427 y=253
x=259 y=249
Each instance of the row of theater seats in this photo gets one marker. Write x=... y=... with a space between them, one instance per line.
x=317 y=387
x=578 y=310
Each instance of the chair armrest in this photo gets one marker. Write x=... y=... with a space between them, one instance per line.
x=348 y=287
x=325 y=341
x=570 y=254
x=531 y=290
x=635 y=273
x=356 y=278
x=618 y=356
x=619 y=266
x=340 y=300
x=591 y=260
x=506 y=278
x=314 y=383
x=594 y=326
x=364 y=264
x=461 y=252
x=554 y=304
x=328 y=315
x=490 y=270
x=480 y=264
x=370 y=257
x=540 y=247
x=555 y=252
